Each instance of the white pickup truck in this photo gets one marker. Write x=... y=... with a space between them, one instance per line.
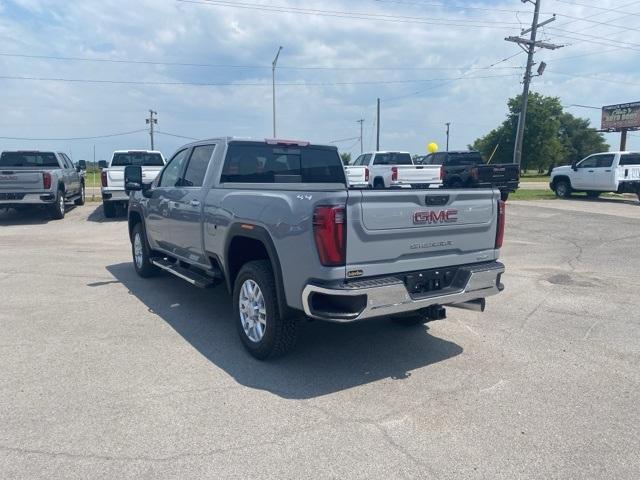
x=391 y=170
x=112 y=175
x=617 y=172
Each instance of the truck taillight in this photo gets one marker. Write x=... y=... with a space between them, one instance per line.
x=441 y=172
x=46 y=180
x=473 y=173
x=329 y=233
x=366 y=174
x=103 y=178
x=502 y=206
x=394 y=174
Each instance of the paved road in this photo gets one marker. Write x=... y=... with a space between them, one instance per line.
x=108 y=376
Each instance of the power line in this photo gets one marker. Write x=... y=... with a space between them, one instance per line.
x=351 y=15
x=242 y=84
x=602 y=9
x=75 y=138
x=175 y=135
x=214 y=65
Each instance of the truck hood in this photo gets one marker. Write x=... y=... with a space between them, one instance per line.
x=559 y=170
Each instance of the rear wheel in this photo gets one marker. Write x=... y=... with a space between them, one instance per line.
x=80 y=201
x=142 y=253
x=263 y=330
x=58 y=208
x=593 y=194
x=562 y=189
x=378 y=184
x=109 y=209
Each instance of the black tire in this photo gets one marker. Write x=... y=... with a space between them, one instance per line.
x=279 y=333
x=504 y=196
x=562 y=188
x=80 y=201
x=378 y=184
x=592 y=194
x=142 y=264
x=58 y=209
x=109 y=209
x=456 y=184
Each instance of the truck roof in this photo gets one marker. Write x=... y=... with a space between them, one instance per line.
x=137 y=151
x=259 y=141
x=384 y=151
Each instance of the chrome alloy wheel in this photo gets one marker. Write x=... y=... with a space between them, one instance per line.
x=253 y=313
x=138 y=254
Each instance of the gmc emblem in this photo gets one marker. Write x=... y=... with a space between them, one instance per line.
x=443 y=216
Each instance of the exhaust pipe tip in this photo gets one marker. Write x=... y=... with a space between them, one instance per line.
x=477 y=305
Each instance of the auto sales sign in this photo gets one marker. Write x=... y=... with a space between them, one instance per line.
x=622 y=116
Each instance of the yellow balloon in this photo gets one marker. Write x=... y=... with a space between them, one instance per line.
x=432 y=147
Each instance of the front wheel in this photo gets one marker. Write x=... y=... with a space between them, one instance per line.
x=562 y=189
x=263 y=330
x=142 y=253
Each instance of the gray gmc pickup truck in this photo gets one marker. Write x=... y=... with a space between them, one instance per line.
x=35 y=178
x=275 y=221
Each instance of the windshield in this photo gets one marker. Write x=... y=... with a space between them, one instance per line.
x=29 y=159
x=142 y=159
x=392 y=158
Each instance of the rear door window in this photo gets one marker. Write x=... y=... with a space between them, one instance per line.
x=605 y=161
x=197 y=167
x=263 y=163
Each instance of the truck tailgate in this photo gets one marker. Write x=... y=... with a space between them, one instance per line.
x=497 y=175
x=356 y=175
x=115 y=176
x=629 y=173
x=394 y=231
x=419 y=174
x=21 y=181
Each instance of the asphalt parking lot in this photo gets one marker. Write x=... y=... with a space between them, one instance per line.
x=105 y=375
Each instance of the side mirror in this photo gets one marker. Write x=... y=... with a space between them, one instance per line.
x=574 y=166
x=82 y=165
x=102 y=164
x=132 y=178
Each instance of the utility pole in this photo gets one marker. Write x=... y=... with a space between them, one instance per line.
x=378 y=127
x=448 y=124
x=361 y=121
x=151 y=121
x=273 y=84
x=529 y=46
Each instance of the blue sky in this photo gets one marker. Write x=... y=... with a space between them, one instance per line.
x=427 y=60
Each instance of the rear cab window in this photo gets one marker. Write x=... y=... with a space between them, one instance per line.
x=256 y=162
x=29 y=160
x=464 y=159
x=629 y=159
x=142 y=159
x=392 y=158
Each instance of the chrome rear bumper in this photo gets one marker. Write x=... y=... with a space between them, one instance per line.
x=389 y=296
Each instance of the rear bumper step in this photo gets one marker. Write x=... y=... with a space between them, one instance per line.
x=389 y=296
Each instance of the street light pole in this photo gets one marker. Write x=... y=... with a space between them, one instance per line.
x=361 y=121
x=273 y=84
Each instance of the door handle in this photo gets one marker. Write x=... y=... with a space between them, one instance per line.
x=607 y=170
x=590 y=171
x=194 y=203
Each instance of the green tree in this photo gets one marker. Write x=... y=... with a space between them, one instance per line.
x=551 y=136
x=346 y=158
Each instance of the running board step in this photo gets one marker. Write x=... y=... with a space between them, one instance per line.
x=194 y=278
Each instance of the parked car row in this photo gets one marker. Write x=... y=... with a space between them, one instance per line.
x=454 y=169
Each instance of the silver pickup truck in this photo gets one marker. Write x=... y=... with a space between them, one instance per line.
x=48 y=179
x=275 y=221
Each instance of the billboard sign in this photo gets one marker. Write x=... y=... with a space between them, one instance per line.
x=622 y=116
